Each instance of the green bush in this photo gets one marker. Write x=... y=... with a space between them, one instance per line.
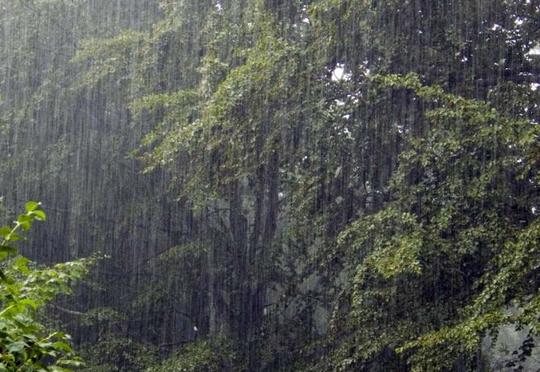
x=25 y=343
x=203 y=355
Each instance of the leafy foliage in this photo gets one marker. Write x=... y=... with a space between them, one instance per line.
x=203 y=355
x=25 y=344
x=114 y=353
x=458 y=242
x=303 y=196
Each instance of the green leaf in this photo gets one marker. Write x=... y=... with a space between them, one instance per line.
x=4 y=231
x=39 y=215
x=29 y=302
x=5 y=249
x=25 y=221
x=69 y=363
x=31 y=206
x=15 y=237
x=16 y=347
x=21 y=264
x=63 y=346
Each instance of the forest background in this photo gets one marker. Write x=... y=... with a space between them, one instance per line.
x=281 y=184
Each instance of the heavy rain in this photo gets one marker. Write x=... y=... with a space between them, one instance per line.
x=269 y=185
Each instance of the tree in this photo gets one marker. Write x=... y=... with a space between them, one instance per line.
x=455 y=253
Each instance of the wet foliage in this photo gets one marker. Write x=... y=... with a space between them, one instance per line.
x=281 y=184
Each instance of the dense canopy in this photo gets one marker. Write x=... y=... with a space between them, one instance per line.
x=281 y=185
